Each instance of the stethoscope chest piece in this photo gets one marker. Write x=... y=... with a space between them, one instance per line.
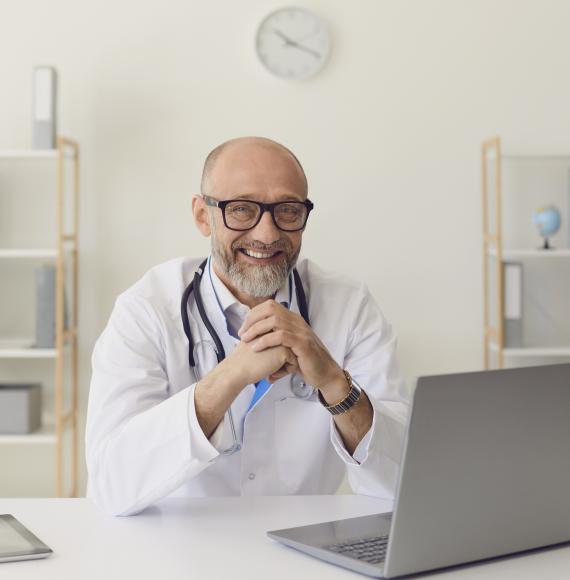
x=300 y=389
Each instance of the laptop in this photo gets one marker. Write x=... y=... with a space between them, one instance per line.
x=485 y=472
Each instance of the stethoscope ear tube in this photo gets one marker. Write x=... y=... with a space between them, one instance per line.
x=301 y=298
x=220 y=352
x=194 y=286
x=186 y=323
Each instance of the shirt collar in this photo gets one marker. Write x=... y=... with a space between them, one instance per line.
x=227 y=299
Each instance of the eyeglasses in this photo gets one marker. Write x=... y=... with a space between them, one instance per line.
x=243 y=214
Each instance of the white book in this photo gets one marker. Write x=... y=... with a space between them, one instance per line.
x=513 y=302
x=513 y=291
x=44 y=108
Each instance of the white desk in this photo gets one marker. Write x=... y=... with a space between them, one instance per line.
x=200 y=539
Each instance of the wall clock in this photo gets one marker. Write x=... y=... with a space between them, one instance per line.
x=293 y=43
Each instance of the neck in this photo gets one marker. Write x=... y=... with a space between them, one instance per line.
x=247 y=299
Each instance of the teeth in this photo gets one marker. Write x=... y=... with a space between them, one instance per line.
x=258 y=255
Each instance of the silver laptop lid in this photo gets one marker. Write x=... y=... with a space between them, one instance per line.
x=486 y=468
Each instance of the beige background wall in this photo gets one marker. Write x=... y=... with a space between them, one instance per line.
x=389 y=134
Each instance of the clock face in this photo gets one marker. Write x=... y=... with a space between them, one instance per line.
x=293 y=43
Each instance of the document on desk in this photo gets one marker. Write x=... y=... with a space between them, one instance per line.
x=18 y=543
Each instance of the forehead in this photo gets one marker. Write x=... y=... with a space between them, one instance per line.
x=260 y=171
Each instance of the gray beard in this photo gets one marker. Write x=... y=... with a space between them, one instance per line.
x=257 y=281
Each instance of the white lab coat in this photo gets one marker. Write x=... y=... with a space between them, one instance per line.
x=143 y=440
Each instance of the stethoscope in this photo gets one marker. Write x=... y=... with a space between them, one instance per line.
x=298 y=386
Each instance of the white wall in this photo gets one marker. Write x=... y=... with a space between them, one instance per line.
x=389 y=135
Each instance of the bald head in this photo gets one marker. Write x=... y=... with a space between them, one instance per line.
x=248 y=155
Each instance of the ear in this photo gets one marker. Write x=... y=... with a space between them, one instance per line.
x=201 y=216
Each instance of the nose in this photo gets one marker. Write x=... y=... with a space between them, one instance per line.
x=266 y=231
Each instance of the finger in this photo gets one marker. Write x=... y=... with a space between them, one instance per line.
x=269 y=340
x=291 y=359
x=295 y=340
x=277 y=375
x=260 y=328
x=286 y=369
x=261 y=311
x=292 y=369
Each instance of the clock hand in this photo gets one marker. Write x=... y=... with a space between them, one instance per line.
x=287 y=40
x=316 y=54
x=290 y=42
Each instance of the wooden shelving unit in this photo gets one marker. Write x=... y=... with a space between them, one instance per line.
x=495 y=255
x=65 y=255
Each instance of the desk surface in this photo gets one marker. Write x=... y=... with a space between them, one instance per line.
x=215 y=538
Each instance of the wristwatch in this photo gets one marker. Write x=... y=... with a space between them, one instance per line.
x=350 y=400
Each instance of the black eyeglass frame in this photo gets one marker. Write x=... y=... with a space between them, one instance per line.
x=270 y=207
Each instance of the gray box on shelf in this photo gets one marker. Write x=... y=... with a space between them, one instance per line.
x=45 y=306
x=20 y=408
x=513 y=289
x=44 y=126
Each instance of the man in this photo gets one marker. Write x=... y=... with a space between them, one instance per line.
x=309 y=401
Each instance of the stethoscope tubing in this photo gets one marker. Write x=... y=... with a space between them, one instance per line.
x=194 y=287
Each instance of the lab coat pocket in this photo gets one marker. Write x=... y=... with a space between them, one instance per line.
x=301 y=443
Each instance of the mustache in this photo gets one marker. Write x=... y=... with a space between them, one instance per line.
x=278 y=246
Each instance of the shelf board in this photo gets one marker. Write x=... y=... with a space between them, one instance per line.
x=45 y=434
x=23 y=348
x=526 y=156
x=28 y=153
x=514 y=254
x=28 y=253
x=538 y=351
x=28 y=352
x=534 y=351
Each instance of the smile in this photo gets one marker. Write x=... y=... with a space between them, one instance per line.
x=259 y=255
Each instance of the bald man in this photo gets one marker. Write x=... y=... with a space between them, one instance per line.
x=251 y=371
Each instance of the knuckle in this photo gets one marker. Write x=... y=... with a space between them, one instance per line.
x=299 y=319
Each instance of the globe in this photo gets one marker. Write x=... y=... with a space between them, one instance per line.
x=547 y=220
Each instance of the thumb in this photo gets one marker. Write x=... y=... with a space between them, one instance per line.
x=291 y=359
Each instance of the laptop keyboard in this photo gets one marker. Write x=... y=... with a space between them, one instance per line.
x=371 y=550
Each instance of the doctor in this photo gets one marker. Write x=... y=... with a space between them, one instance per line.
x=251 y=372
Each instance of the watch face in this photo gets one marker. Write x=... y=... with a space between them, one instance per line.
x=293 y=43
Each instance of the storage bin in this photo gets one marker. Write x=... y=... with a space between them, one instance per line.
x=20 y=408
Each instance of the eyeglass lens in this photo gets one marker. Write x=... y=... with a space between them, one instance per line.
x=243 y=215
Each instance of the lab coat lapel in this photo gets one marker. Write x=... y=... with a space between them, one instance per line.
x=218 y=321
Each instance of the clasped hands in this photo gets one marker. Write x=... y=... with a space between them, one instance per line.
x=276 y=342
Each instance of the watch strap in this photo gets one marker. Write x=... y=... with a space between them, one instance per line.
x=349 y=401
